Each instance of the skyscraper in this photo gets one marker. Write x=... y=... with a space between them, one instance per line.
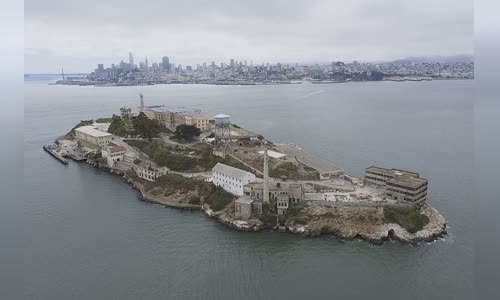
x=165 y=64
x=131 y=59
x=146 y=62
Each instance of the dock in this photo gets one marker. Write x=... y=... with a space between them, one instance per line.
x=51 y=149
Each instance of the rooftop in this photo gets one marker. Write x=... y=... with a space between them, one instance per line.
x=114 y=149
x=179 y=110
x=244 y=200
x=90 y=130
x=221 y=116
x=230 y=171
x=394 y=172
x=412 y=182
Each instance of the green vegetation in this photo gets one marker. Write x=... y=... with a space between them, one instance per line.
x=196 y=200
x=164 y=157
x=267 y=217
x=218 y=199
x=296 y=214
x=409 y=218
x=118 y=127
x=186 y=132
x=236 y=126
x=104 y=120
x=287 y=169
x=293 y=171
x=131 y=173
x=147 y=128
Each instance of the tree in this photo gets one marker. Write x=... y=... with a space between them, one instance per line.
x=146 y=127
x=117 y=126
x=186 y=132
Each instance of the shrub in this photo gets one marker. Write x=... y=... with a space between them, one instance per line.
x=219 y=199
x=195 y=200
x=164 y=157
x=287 y=169
x=409 y=218
x=267 y=217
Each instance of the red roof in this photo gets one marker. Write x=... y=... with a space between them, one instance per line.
x=117 y=149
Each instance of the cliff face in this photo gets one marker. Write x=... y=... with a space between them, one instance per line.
x=365 y=222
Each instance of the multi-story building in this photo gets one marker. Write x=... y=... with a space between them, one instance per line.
x=91 y=137
x=150 y=173
x=113 y=153
x=198 y=121
x=246 y=208
x=293 y=190
x=230 y=178
x=282 y=202
x=398 y=184
x=175 y=116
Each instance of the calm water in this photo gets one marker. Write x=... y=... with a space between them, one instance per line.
x=88 y=236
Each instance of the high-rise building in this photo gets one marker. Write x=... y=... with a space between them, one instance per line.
x=100 y=68
x=165 y=64
x=231 y=64
x=131 y=59
x=146 y=62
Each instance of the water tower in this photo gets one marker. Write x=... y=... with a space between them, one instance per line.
x=222 y=133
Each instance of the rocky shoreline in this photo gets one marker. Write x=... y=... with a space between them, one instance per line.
x=345 y=222
x=373 y=233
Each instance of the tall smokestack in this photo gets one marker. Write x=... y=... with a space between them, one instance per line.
x=142 y=101
x=266 y=178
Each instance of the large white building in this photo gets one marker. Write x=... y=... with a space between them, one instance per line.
x=230 y=178
x=91 y=137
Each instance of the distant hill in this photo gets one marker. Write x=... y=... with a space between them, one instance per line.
x=436 y=59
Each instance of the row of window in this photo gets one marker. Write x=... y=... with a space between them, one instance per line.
x=380 y=174
x=226 y=176
x=231 y=183
x=406 y=187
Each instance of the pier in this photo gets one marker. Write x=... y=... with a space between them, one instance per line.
x=52 y=151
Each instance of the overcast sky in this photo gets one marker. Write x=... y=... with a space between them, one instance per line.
x=77 y=35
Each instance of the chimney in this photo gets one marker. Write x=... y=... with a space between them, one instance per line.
x=266 y=178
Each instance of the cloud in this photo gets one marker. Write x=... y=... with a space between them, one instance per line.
x=192 y=32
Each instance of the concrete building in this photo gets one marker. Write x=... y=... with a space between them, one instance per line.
x=293 y=190
x=113 y=153
x=282 y=202
x=150 y=173
x=230 y=178
x=243 y=208
x=91 y=137
x=175 y=116
x=398 y=184
x=198 y=121
x=246 y=208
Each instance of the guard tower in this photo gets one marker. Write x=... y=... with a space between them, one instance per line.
x=222 y=134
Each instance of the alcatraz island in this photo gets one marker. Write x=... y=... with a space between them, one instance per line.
x=178 y=157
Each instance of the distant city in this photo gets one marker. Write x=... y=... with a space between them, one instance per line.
x=244 y=72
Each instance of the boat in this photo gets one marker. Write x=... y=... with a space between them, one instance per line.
x=51 y=149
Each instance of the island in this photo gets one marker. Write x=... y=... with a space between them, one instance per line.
x=178 y=157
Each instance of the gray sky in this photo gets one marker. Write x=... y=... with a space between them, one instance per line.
x=77 y=35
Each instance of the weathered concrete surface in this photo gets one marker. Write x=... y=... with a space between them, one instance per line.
x=365 y=222
x=226 y=217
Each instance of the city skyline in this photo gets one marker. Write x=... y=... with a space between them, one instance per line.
x=274 y=31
